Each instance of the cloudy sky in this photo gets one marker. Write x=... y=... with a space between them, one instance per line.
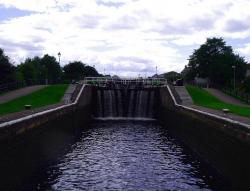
x=125 y=37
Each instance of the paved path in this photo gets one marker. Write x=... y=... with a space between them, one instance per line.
x=18 y=93
x=222 y=97
x=226 y=98
x=70 y=95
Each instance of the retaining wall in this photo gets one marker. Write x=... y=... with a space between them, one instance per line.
x=37 y=139
x=223 y=143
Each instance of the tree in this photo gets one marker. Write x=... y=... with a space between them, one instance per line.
x=214 y=60
x=172 y=76
x=77 y=71
x=28 y=71
x=32 y=71
x=74 y=70
x=246 y=85
x=36 y=70
x=7 y=70
x=90 y=71
x=52 y=69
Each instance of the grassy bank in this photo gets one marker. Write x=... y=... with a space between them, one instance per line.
x=202 y=98
x=45 y=96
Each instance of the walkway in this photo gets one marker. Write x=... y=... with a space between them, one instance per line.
x=226 y=98
x=222 y=97
x=18 y=93
x=70 y=96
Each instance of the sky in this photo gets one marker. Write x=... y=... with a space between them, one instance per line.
x=122 y=37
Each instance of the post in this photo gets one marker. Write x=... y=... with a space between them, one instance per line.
x=59 y=56
x=234 y=77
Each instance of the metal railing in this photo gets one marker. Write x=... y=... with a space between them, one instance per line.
x=103 y=81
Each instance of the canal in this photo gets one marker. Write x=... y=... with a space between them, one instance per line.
x=125 y=155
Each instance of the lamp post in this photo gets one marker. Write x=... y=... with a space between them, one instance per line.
x=234 y=76
x=156 y=71
x=59 y=56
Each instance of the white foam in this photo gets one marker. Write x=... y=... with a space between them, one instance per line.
x=124 y=119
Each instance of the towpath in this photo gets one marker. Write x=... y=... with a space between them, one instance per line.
x=226 y=98
x=18 y=93
x=69 y=96
x=222 y=97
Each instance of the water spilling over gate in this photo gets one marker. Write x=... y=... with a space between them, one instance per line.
x=126 y=97
x=123 y=102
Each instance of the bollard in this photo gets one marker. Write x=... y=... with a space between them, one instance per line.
x=27 y=107
x=225 y=110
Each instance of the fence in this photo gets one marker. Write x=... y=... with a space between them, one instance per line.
x=245 y=97
x=11 y=86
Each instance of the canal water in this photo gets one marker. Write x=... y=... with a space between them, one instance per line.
x=126 y=155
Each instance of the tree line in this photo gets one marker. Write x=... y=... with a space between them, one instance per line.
x=44 y=69
x=216 y=62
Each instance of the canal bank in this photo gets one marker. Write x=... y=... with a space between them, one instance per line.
x=223 y=143
x=27 y=141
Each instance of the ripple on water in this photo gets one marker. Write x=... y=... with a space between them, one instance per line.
x=128 y=156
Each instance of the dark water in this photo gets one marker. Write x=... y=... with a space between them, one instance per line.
x=127 y=155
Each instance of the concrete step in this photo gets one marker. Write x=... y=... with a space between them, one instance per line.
x=184 y=95
x=68 y=94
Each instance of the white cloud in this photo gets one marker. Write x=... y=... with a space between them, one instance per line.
x=245 y=50
x=123 y=36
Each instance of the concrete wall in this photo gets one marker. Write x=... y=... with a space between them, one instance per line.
x=27 y=143
x=225 y=145
x=71 y=115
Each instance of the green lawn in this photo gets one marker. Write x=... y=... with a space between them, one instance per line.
x=203 y=98
x=46 y=96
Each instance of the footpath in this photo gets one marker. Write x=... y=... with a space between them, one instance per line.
x=69 y=96
x=220 y=95
x=226 y=98
x=19 y=93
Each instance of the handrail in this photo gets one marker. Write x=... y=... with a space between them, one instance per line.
x=8 y=123
x=107 y=80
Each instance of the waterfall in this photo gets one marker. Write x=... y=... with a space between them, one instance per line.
x=125 y=103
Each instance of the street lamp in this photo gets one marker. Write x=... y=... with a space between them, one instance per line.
x=59 y=55
x=156 y=71
x=234 y=75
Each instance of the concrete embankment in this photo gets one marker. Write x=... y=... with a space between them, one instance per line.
x=43 y=136
x=223 y=143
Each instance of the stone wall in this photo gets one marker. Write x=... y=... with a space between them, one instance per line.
x=225 y=145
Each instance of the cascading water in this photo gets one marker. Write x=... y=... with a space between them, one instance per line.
x=125 y=102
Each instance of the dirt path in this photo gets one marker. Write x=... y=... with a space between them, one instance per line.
x=18 y=93
x=226 y=98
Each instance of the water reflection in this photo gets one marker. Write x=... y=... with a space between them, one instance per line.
x=128 y=155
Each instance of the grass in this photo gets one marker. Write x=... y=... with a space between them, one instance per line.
x=46 y=96
x=202 y=98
